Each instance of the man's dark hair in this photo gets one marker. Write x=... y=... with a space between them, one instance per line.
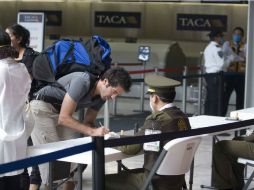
x=118 y=76
x=240 y=29
x=167 y=97
x=215 y=33
x=5 y=46
x=21 y=33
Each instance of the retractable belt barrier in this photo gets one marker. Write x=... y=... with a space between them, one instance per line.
x=35 y=160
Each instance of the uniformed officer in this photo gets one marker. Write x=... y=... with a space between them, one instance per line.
x=234 y=77
x=165 y=117
x=215 y=64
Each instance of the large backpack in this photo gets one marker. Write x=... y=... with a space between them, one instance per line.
x=67 y=56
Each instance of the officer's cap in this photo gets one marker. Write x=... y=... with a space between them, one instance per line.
x=160 y=84
x=215 y=32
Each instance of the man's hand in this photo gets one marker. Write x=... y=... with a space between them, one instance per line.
x=100 y=131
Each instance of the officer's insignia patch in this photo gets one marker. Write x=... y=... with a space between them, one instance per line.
x=220 y=53
x=181 y=124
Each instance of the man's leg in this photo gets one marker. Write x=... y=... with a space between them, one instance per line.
x=227 y=173
x=44 y=130
x=35 y=176
x=239 y=84
x=211 y=104
x=228 y=89
x=24 y=179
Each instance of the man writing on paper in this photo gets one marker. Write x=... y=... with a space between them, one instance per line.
x=53 y=107
x=165 y=117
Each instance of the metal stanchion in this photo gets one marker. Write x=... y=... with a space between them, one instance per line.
x=220 y=93
x=115 y=100
x=207 y=186
x=200 y=94
x=142 y=89
x=51 y=174
x=200 y=90
x=98 y=164
x=184 y=89
x=106 y=114
x=114 y=106
x=81 y=114
x=191 y=175
x=156 y=70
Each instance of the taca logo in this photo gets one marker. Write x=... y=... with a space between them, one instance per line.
x=199 y=22
x=111 y=19
x=117 y=19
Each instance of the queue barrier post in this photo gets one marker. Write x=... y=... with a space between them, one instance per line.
x=98 y=158
x=200 y=84
x=106 y=114
x=184 y=89
x=142 y=89
x=115 y=100
x=156 y=70
x=81 y=113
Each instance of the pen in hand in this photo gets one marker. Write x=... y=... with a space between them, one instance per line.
x=106 y=129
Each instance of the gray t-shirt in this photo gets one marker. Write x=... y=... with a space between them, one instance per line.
x=77 y=85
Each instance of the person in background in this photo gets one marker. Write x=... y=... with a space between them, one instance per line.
x=15 y=84
x=53 y=107
x=165 y=117
x=235 y=77
x=215 y=64
x=20 y=40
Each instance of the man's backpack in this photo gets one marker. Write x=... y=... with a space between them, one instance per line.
x=67 y=56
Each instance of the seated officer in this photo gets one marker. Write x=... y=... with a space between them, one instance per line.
x=165 y=117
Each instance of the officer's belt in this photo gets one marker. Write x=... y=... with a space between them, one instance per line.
x=56 y=103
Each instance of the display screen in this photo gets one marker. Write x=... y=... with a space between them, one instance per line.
x=144 y=53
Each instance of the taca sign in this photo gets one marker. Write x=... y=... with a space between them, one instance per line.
x=201 y=22
x=112 y=20
x=117 y=19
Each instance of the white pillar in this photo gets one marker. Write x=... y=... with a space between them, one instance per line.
x=249 y=77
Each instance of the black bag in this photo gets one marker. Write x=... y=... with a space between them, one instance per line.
x=28 y=59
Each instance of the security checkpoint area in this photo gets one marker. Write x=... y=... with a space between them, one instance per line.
x=162 y=47
x=125 y=112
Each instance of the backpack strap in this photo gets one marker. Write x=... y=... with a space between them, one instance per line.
x=70 y=51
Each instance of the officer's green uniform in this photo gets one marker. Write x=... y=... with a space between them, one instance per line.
x=227 y=173
x=170 y=119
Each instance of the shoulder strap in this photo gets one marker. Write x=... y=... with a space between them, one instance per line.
x=70 y=51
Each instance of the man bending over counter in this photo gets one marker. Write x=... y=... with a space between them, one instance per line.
x=53 y=107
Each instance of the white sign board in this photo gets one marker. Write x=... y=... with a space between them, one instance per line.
x=34 y=22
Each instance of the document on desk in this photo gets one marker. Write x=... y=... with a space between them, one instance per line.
x=243 y=114
x=207 y=121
